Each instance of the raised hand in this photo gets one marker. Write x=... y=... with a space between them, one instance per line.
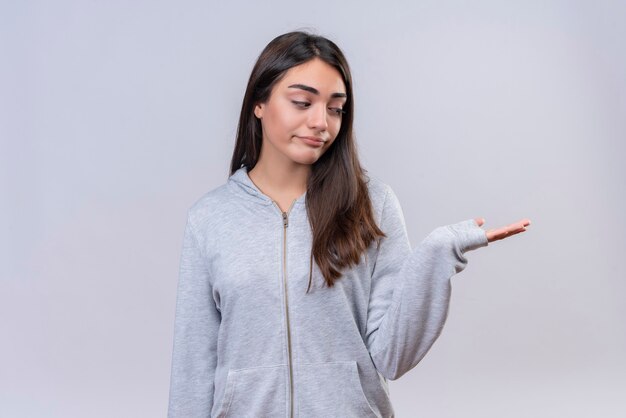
x=505 y=231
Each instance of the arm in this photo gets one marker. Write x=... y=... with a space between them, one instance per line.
x=410 y=290
x=195 y=335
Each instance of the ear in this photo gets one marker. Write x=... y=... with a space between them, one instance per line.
x=258 y=111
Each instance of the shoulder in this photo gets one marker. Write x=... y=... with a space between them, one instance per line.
x=385 y=204
x=377 y=188
x=209 y=207
x=379 y=191
x=381 y=195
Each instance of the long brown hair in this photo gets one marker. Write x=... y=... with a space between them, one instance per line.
x=337 y=199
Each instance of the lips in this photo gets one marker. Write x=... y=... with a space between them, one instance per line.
x=312 y=140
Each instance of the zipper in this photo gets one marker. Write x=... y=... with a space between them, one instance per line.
x=285 y=216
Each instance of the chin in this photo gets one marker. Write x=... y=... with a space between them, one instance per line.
x=308 y=157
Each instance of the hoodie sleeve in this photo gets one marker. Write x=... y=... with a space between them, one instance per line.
x=195 y=335
x=410 y=288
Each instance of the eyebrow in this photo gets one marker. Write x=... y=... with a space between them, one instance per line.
x=314 y=90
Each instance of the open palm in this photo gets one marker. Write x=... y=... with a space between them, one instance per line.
x=505 y=231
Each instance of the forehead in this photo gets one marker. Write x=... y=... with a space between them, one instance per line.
x=317 y=74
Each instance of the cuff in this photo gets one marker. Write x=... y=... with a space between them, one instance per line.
x=470 y=235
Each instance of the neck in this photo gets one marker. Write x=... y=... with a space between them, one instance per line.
x=280 y=180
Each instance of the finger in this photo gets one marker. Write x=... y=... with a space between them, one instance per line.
x=496 y=234
x=517 y=228
x=515 y=232
x=506 y=231
x=501 y=233
x=521 y=225
x=491 y=237
x=480 y=221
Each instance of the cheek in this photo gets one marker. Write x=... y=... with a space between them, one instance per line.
x=284 y=121
x=334 y=134
x=336 y=126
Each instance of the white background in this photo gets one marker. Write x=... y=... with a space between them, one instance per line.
x=116 y=116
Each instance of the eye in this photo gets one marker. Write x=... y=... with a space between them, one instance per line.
x=304 y=105
x=337 y=110
x=301 y=104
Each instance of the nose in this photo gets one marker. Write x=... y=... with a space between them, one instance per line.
x=317 y=117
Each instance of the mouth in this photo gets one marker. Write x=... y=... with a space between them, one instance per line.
x=311 y=140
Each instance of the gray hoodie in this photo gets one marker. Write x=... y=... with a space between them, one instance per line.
x=250 y=342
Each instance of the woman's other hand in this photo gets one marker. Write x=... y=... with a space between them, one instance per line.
x=505 y=231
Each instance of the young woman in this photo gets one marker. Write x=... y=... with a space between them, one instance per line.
x=299 y=294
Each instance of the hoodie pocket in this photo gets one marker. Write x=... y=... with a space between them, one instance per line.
x=255 y=392
x=332 y=390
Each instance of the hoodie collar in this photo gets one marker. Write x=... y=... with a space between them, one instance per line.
x=242 y=185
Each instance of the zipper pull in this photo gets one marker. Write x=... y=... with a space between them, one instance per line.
x=285 y=220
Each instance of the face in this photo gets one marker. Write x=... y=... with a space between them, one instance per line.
x=302 y=116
